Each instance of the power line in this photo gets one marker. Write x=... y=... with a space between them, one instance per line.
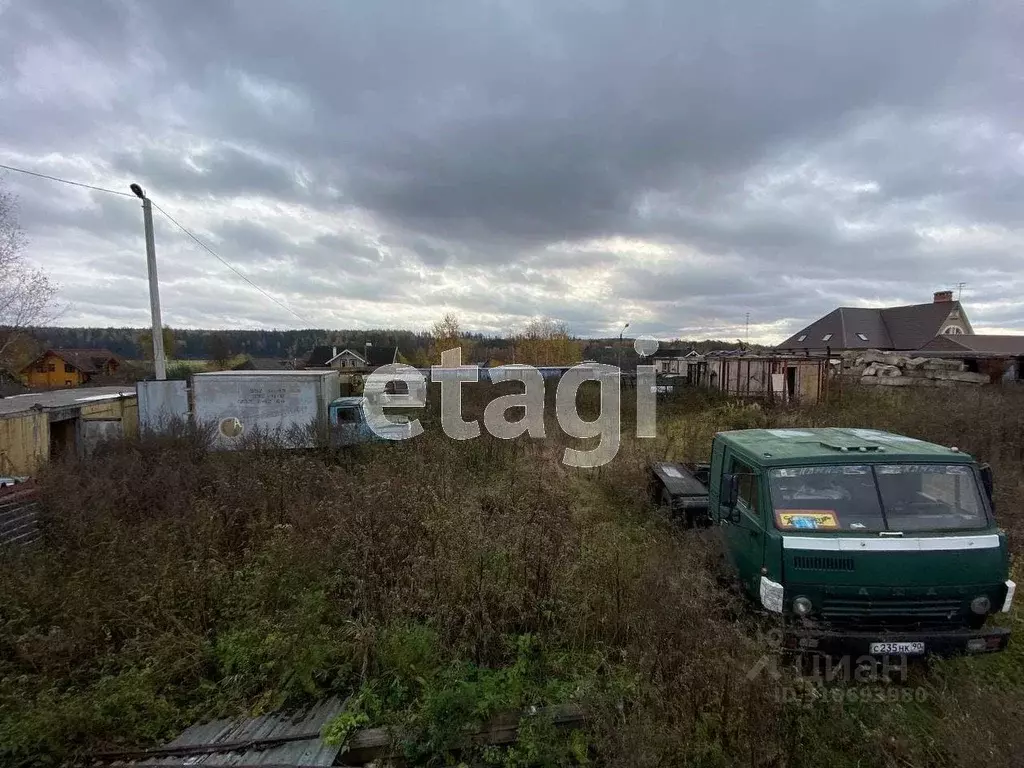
x=66 y=181
x=213 y=253
x=172 y=219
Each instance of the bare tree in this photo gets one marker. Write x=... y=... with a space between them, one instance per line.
x=27 y=295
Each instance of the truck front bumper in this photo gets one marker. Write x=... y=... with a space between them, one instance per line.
x=952 y=642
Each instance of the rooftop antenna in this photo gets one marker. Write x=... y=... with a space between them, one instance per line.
x=959 y=290
x=746 y=333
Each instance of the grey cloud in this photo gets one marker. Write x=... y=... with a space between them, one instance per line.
x=222 y=170
x=337 y=248
x=476 y=134
x=243 y=237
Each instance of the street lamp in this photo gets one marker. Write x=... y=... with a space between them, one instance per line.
x=620 y=346
x=159 y=363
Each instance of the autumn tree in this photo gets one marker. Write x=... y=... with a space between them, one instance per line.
x=146 y=343
x=546 y=341
x=27 y=296
x=447 y=334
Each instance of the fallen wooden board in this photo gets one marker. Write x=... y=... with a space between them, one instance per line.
x=374 y=743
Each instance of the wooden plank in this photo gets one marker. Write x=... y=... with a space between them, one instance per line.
x=373 y=743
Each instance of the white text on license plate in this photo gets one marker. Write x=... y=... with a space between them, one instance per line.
x=909 y=648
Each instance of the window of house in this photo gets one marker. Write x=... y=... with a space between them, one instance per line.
x=802 y=337
x=826 y=337
x=69 y=368
x=862 y=337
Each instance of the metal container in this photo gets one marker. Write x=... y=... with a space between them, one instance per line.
x=287 y=406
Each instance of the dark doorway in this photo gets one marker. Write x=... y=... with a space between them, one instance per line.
x=790 y=382
x=62 y=438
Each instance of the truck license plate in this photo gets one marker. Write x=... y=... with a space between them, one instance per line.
x=897 y=648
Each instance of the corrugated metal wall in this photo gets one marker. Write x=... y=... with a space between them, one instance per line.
x=19 y=517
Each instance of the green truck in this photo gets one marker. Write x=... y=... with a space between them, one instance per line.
x=861 y=541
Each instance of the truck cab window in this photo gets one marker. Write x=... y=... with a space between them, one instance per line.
x=348 y=416
x=747 y=485
x=921 y=497
x=827 y=497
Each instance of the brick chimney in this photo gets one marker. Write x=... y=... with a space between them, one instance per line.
x=943 y=296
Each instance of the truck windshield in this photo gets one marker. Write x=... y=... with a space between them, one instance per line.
x=890 y=497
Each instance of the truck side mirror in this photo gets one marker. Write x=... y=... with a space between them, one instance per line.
x=986 y=480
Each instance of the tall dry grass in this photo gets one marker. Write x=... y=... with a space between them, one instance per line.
x=437 y=581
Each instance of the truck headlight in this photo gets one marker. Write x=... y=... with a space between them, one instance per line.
x=981 y=604
x=802 y=606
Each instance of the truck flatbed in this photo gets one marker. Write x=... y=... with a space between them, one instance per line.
x=682 y=489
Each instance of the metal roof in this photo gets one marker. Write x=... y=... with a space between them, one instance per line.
x=899 y=328
x=275 y=739
x=983 y=343
x=349 y=400
x=261 y=374
x=62 y=398
x=820 y=445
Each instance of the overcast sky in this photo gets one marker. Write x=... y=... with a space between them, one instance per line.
x=371 y=163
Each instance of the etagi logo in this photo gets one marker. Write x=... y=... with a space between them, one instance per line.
x=451 y=374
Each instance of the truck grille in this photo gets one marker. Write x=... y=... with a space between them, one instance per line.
x=807 y=563
x=893 y=612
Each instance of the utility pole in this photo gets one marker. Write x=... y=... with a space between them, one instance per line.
x=159 y=361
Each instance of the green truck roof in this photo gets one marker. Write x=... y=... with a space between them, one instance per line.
x=825 y=445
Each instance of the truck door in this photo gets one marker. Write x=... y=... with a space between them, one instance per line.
x=744 y=539
x=347 y=425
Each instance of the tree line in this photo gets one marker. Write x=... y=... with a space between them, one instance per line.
x=542 y=341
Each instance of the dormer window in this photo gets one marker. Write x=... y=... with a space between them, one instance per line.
x=826 y=337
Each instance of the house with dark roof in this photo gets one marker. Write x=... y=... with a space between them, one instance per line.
x=673 y=359
x=367 y=356
x=898 y=329
x=370 y=356
x=62 y=368
x=319 y=356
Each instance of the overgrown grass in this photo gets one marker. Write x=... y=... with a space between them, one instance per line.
x=435 y=583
